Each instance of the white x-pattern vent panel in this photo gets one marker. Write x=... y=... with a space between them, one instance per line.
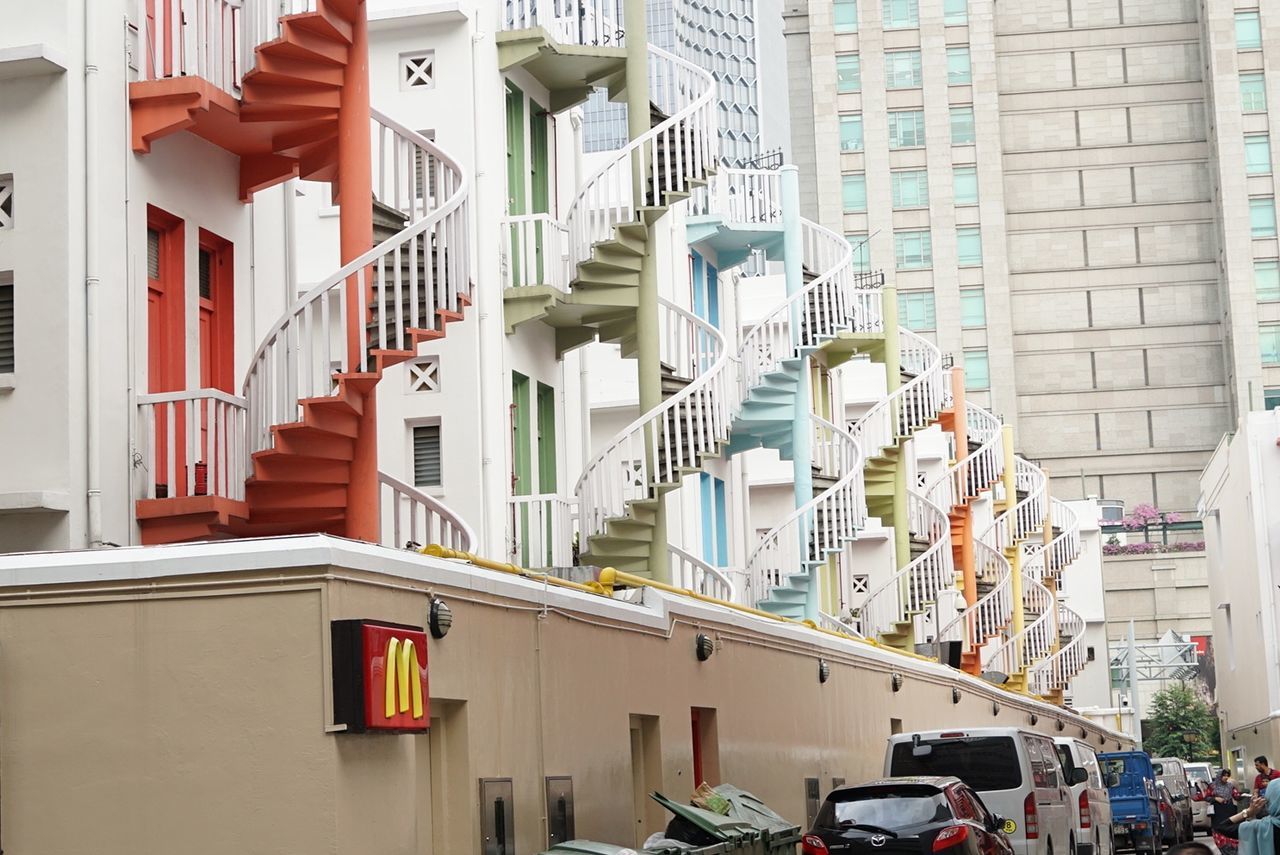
x=424 y=374
x=6 y=201
x=418 y=70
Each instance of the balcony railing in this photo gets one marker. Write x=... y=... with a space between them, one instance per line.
x=595 y=23
x=193 y=443
x=542 y=530
x=195 y=38
x=537 y=252
x=412 y=518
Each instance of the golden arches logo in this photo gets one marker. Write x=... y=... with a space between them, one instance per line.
x=403 y=679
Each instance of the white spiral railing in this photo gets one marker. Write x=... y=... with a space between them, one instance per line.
x=977 y=470
x=1035 y=641
x=661 y=446
x=740 y=196
x=912 y=406
x=821 y=526
x=570 y=22
x=915 y=588
x=693 y=574
x=836 y=624
x=416 y=273
x=1057 y=670
x=1065 y=546
x=417 y=519
x=671 y=157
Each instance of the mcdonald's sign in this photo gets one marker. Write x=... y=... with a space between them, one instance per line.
x=380 y=677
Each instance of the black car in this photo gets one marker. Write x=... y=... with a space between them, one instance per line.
x=906 y=816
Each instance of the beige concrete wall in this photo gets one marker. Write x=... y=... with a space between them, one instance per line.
x=1159 y=593
x=196 y=714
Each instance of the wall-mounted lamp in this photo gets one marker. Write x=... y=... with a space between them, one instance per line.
x=824 y=670
x=896 y=681
x=439 y=618
x=1062 y=725
x=704 y=646
x=955 y=695
x=995 y=708
x=1034 y=718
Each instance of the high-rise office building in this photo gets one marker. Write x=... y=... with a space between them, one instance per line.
x=1076 y=200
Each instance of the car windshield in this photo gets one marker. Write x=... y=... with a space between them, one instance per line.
x=884 y=807
x=985 y=763
x=1158 y=768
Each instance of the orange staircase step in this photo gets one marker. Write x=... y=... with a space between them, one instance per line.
x=284 y=95
x=324 y=22
x=306 y=441
x=277 y=495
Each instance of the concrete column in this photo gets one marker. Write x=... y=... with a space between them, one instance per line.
x=801 y=423
x=355 y=237
x=648 y=336
x=1013 y=553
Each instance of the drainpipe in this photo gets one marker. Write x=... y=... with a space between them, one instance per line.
x=92 y=283
x=584 y=375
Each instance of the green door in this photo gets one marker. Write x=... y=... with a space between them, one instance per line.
x=540 y=173
x=516 y=169
x=522 y=465
x=547 y=475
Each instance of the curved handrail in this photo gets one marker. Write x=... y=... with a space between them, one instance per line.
x=689 y=424
x=440 y=523
x=915 y=587
x=693 y=574
x=832 y=623
x=740 y=196
x=299 y=356
x=824 y=524
x=1035 y=641
x=978 y=469
x=1064 y=548
x=1055 y=671
x=912 y=406
x=840 y=299
x=988 y=616
x=687 y=138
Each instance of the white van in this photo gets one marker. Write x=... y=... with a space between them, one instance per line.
x=1015 y=771
x=1089 y=795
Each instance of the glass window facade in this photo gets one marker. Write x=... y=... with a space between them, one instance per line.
x=846 y=16
x=1266 y=279
x=848 y=72
x=969 y=246
x=851 y=132
x=1262 y=216
x=913 y=250
x=902 y=69
x=901 y=14
x=977 y=371
x=1269 y=342
x=855 y=193
x=1270 y=398
x=958 y=69
x=906 y=128
x=911 y=189
x=966 y=185
x=1253 y=93
x=1257 y=154
x=973 y=308
x=962 y=130
x=1248 y=31
x=861 y=251
x=955 y=12
x=916 y=310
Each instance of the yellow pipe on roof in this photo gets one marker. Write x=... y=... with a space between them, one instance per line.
x=435 y=550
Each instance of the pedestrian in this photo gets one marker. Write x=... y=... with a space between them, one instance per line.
x=1257 y=828
x=1222 y=794
x=1265 y=774
x=1191 y=847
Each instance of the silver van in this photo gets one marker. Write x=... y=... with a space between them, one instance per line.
x=1089 y=795
x=1171 y=774
x=1016 y=772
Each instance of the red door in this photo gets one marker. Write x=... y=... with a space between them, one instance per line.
x=166 y=360
x=216 y=358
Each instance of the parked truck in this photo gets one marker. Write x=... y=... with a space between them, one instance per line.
x=1135 y=801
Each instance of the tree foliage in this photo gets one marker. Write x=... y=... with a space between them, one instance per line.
x=1181 y=724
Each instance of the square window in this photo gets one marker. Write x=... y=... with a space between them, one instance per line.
x=1266 y=279
x=911 y=189
x=861 y=251
x=1248 y=31
x=902 y=69
x=1253 y=93
x=913 y=250
x=958 y=69
x=855 y=193
x=1271 y=398
x=901 y=14
x=6 y=201
x=955 y=12
x=417 y=70
x=906 y=129
x=973 y=308
x=846 y=16
x=851 y=132
x=962 y=130
x=969 y=246
x=1269 y=343
x=977 y=370
x=1257 y=154
x=848 y=72
x=1262 y=216
x=916 y=310
x=966 y=185
x=426 y=456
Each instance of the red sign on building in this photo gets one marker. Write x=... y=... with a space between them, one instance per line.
x=380 y=677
